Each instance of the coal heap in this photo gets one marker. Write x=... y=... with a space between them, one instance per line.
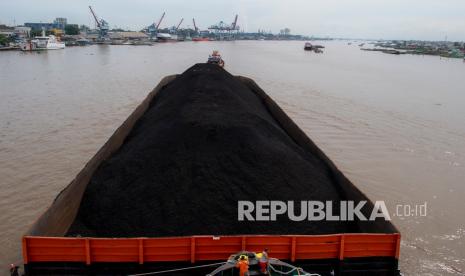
x=206 y=141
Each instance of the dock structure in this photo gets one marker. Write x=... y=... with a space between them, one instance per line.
x=224 y=31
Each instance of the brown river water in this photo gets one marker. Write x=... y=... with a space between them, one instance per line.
x=395 y=125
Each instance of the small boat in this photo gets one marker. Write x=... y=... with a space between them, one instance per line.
x=197 y=39
x=8 y=48
x=71 y=43
x=318 y=48
x=308 y=46
x=215 y=58
x=43 y=42
x=142 y=43
x=83 y=42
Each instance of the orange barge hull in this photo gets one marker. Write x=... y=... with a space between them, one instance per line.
x=207 y=248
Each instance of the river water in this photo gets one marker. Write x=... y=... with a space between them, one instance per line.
x=395 y=125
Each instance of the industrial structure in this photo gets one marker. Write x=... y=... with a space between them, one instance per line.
x=103 y=34
x=102 y=26
x=195 y=26
x=59 y=23
x=153 y=29
x=177 y=27
x=224 y=31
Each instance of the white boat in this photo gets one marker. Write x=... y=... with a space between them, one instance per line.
x=43 y=43
x=163 y=37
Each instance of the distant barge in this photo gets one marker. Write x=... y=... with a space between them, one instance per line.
x=369 y=248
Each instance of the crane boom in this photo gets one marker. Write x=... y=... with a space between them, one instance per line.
x=234 y=23
x=195 y=26
x=95 y=16
x=177 y=27
x=161 y=19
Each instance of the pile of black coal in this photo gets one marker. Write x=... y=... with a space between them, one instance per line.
x=206 y=142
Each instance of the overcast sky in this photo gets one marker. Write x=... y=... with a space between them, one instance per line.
x=388 y=19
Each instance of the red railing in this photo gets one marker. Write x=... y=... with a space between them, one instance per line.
x=207 y=248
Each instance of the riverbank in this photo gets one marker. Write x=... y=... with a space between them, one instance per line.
x=431 y=48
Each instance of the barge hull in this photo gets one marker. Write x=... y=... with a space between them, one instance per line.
x=346 y=253
x=45 y=247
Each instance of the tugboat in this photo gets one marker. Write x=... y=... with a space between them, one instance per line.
x=315 y=48
x=215 y=58
x=308 y=46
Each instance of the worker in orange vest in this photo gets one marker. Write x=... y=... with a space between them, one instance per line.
x=243 y=265
x=263 y=261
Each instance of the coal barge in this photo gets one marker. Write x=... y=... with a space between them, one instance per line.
x=162 y=192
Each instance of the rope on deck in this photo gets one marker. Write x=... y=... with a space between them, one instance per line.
x=298 y=269
x=178 y=269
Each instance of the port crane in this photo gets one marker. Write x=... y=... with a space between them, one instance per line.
x=234 y=24
x=222 y=26
x=195 y=26
x=174 y=29
x=196 y=29
x=225 y=31
x=177 y=27
x=102 y=25
x=153 y=29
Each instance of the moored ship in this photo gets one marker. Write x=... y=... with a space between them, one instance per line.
x=43 y=42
